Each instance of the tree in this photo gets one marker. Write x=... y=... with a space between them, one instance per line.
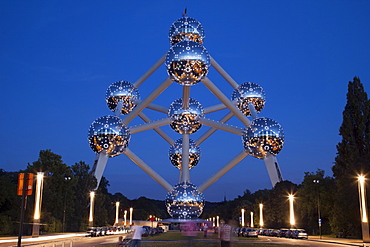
x=352 y=159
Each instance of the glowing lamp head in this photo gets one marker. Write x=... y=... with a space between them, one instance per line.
x=186 y=28
x=249 y=93
x=187 y=62
x=264 y=136
x=122 y=91
x=185 y=201
x=108 y=134
x=185 y=120
x=175 y=154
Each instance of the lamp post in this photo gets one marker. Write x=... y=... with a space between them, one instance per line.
x=38 y=201
x=117 y=211
x=218 y=221
x=261 y=215
x=131 y=209
x=125 y=215
x=91 y=217
x=243 y=211
x=252 y=221
x=363 y=209
x=317 y=181
x=65 y=202
x=291 y=209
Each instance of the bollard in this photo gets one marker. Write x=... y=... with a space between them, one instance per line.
x=63 y=244
x=71 y=244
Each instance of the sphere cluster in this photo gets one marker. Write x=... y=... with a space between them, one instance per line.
x=264 y=136
x=122 y=91
x=249 y=93
x=175 y=154
x=187 y=62
x=185 y=120
x=108 y=134
x=186 y=28
x=185 y=201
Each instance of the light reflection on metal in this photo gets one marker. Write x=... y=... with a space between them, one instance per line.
x=122 y=91
x=187 y=62
x=108 y=133
x=175 y=154
x=186 y=28
x=249 y=92
x=264 y=136
x=185 y=120
x=185 y=201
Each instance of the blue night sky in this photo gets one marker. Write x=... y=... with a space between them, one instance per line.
x=59 y=57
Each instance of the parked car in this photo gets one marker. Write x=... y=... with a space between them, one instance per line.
x=300 y=233
x=281 y=232
x=250 y=232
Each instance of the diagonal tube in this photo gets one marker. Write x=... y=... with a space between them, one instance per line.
x=150 y=71
x=140 y=163
x=158 y=130
x=213 y=130
x=224 y=74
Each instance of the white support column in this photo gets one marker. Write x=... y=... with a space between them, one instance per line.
x=253 y=111
x=213 y=130
x=214 y=108
x=185 y=158
x=150 y=71
x=223 y=73
x=273 y=169
x=185 y=97
x=118 y=109
x=150 y=125
x=222 y=126
x=225 y=100
x=223 y=170
x=148 y=169
x=100 y=162
x=158 y=130
x=129 y=117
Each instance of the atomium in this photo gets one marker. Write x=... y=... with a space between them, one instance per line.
x=185 y=120
x=264 y=136
x=108 y=134
x=249 y=93
x=122 y=91
x=185 y=201
x=175 y=154
x=187 y=62
x=186 y=28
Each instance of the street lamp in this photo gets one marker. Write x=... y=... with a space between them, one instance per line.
x=125 y=215
x=65 y=202
x=252 y=222
x=291 y=209
x=243 y=211
x=317 y=181
x=218 y=221
x=261 y=215
x=38 y=201
x=363 y=209
x=117 y=211
x=131 y=209
x=91 y=218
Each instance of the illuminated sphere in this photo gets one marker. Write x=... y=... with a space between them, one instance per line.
x=187 y=62
x=175 y=154
x=186 y=28
x=125 y=91
x=108 y=134
x=185 y=121
x=249 y=92
x=185 y=201
x=264 y=136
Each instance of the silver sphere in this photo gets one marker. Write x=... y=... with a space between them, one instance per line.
x=264 y=136
x=175 y=154
x=108 y=134
x=185 y=201
x=122 y=91
x=185 y=120
x=188 y=62
x=249 y=92
x=186 y=28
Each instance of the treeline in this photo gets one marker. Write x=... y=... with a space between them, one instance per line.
x=65 y=204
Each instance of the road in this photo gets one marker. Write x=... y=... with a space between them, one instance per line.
x=79 y=240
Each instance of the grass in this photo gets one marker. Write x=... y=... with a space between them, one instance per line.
x=176 y=239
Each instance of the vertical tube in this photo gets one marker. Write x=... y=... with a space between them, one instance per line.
x=185 y=158
x=91 y=215
x=291 y=209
